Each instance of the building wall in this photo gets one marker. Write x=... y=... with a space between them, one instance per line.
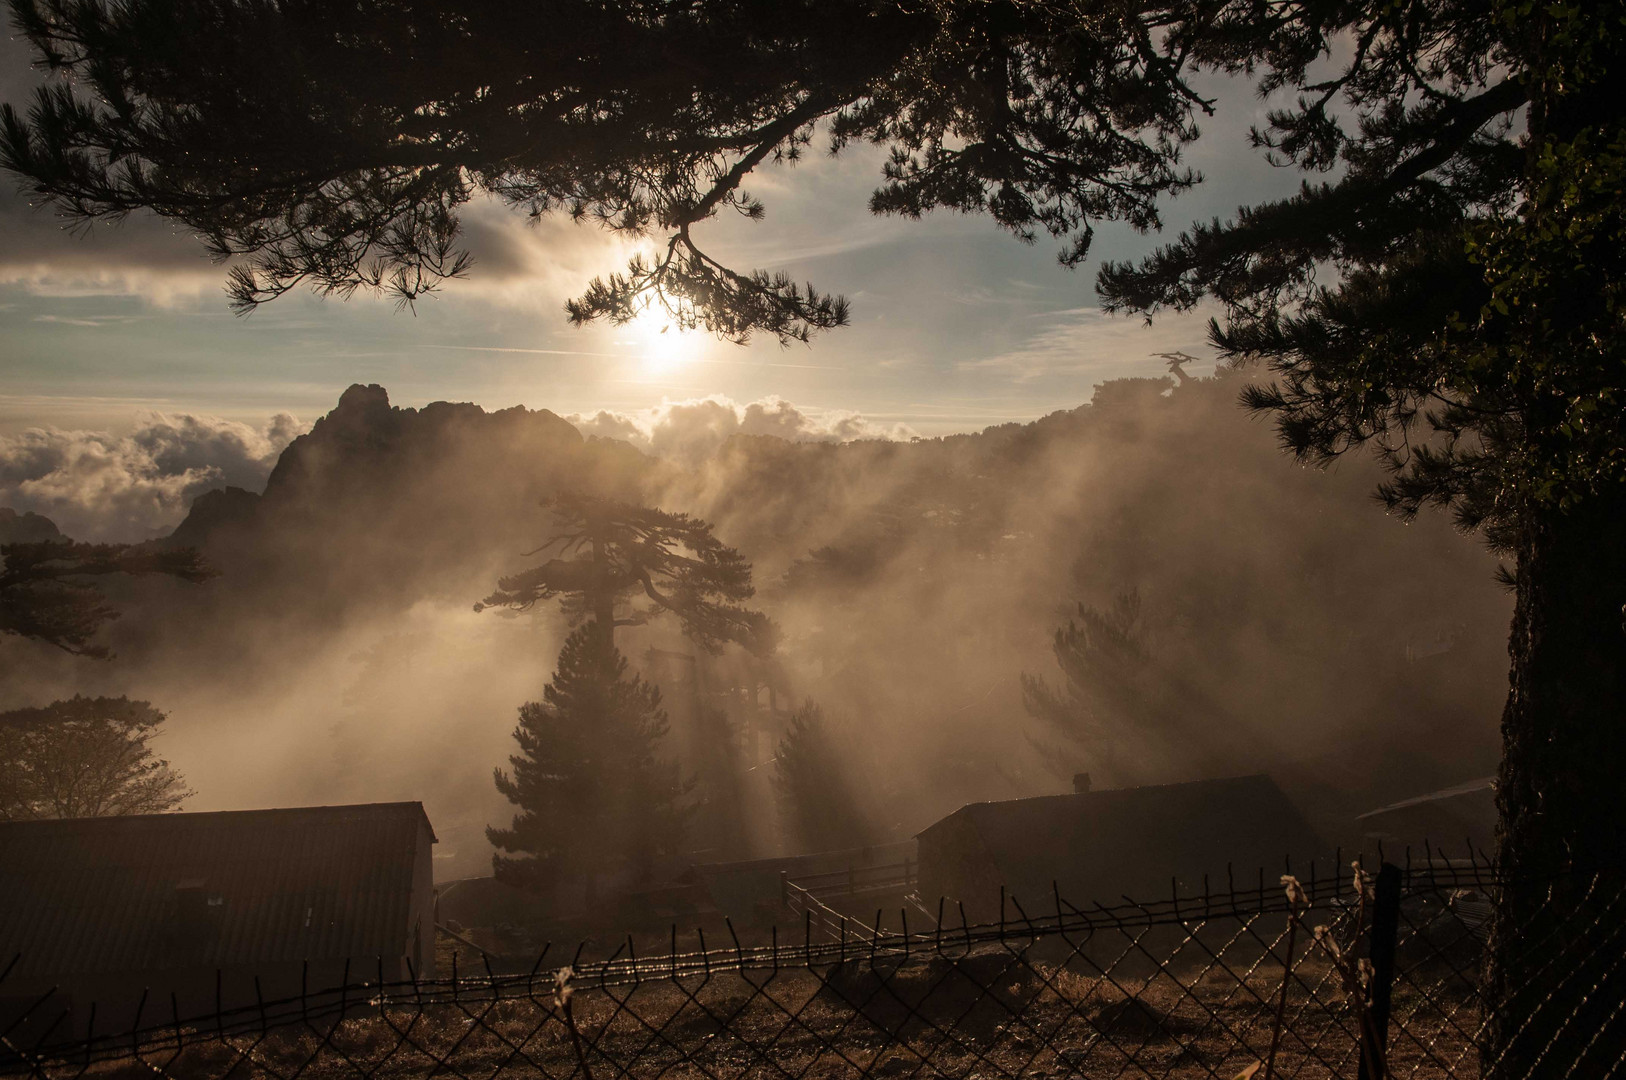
x=956 y=866
x=147 y=997
x=420 y=928
x=1099 y=847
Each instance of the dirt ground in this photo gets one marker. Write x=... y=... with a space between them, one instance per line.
x=994 y=1014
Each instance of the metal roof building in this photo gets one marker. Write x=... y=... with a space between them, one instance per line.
x=1103 y=845
x=105 y=909
x=1450 y=818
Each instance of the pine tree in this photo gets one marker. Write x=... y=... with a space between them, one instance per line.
x=48 y=588
x=609 y=552
x=1126 y=713
x=335 y=144
x=595 y=794
x=1446 y=286
x=814 y=787
x=1102 y=660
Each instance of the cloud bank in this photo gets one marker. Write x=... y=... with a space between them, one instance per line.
x=1087 y=342
x=97 y=485
x=691 y=431
x=100 y=485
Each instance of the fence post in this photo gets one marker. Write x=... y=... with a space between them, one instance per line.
x=1385 y=933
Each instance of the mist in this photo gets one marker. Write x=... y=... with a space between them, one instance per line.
x=98 y=485
x=1289 y=626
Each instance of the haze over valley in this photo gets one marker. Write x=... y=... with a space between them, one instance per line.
x=1271 y=618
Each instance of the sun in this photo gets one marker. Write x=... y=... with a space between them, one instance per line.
x=659 y=345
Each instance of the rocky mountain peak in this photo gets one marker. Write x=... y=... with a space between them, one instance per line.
x=26 y=528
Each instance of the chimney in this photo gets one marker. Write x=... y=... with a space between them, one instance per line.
x=1081 y=783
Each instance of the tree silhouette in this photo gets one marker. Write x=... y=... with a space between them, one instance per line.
x=85 y=757
x=814 y=788
x=1452 y=299
x=720 y=814
x=1446 y=286
x=335 y=144
x=1128 y=714
x=608 y=552
x=48 y=590
x=595 y=796
x=1101 y=657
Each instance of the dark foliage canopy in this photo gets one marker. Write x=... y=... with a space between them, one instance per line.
x=1121 y=711
x=594 y=793
x=48 y=590
x=608 y=552
x=814 y=787
x=85 y=757
x=335 y=143
x=1444 y=285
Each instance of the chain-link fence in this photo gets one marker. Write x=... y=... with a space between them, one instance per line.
x=1341 y=976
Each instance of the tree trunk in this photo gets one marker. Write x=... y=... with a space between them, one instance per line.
x=1558 y=936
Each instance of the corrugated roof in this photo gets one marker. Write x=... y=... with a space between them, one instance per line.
x=1483 y=789
x=1099 y=844
x=1464 y=812
x=213 y=890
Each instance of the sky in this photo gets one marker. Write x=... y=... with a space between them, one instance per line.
x=956 y=325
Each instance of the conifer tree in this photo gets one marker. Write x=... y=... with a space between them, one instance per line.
x=814 y=787
x=48 y=589
x=1118 y=706
x=595 y=793
x=610 y=552
x=1446 y=286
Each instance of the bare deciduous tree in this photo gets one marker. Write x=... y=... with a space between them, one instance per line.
x=85 y=757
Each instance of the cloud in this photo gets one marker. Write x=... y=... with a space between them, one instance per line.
x=97 y=485
x=140 y=256
x=1090 y=342
x=162 y=264
x=534 y=265
x=691 y=431
x=517 y=265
